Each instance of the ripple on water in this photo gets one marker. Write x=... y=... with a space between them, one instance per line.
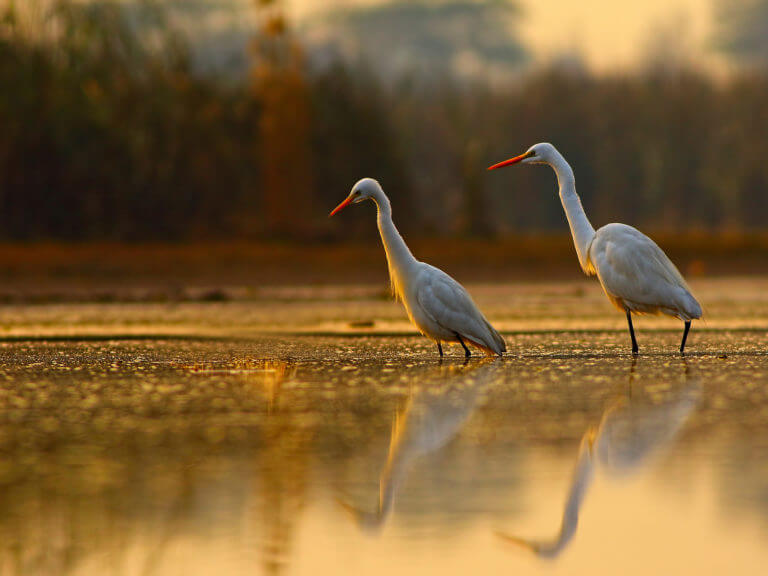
x=192 y=451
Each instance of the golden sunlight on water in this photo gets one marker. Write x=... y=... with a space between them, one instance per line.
x=367 y=310
x=339 y=455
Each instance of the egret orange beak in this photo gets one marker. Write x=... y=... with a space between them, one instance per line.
x=344 y=204
x=511 y=161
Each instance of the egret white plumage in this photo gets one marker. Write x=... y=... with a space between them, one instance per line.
x=437 y=305
x=634 y=272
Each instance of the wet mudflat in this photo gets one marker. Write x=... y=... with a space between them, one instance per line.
x=363 y=454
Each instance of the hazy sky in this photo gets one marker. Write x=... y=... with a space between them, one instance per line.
x=609 y=34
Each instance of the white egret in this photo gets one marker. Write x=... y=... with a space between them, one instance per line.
x=437 y=305
x=634 y=272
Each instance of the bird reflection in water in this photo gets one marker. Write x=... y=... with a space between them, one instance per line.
x=629 y=434
x=432 y=417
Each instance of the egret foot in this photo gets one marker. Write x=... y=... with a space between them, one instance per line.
x=685 y=336
x=467 y=353
x=632 y=333
x=440 y=349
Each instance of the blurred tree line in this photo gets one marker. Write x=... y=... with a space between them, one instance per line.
x=108 y=133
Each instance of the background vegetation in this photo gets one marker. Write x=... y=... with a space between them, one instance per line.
x=109 y=131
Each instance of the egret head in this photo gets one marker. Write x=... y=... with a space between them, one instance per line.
x=362 y=190
x=542 y=153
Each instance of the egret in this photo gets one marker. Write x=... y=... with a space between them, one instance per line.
x=437 y=305
x=634 y=272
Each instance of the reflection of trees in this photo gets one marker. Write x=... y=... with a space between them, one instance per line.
x=281 y=489
x=65 y=513
x=125 y=478
x=280 y=485
x=628 y=435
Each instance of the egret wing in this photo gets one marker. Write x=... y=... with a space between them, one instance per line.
x=449 y=305
x=633 y=268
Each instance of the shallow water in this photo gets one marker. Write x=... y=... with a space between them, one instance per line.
x=360 y=310
x=366 y=455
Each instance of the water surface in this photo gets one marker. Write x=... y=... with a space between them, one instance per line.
x=366 y=455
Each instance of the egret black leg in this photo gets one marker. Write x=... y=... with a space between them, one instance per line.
x=685 y=336
x=632 y=332
x=467 y=353
x=440 y=349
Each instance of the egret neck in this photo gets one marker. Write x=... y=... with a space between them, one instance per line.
x=582 y=231
x=399 y=257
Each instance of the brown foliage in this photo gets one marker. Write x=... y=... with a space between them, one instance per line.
x=106 y=135
x=284 y=130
